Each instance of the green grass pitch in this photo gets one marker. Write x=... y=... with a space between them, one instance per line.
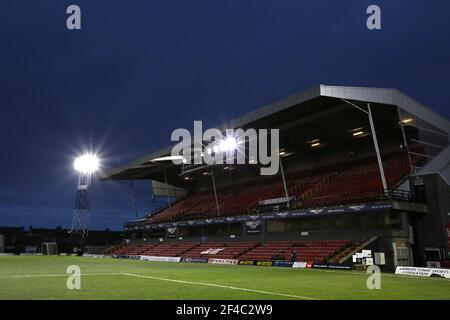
x=40 y=277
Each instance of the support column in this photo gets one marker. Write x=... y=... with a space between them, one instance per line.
x=215 y=192
x=133 y=199
x=405 y=141
x=167 y=191
x=377 y=149
x=286 y=193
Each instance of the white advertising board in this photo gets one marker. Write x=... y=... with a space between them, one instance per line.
x=164 y=259
x=422 y=272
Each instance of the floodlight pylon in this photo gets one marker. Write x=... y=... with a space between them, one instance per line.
x=82 y=205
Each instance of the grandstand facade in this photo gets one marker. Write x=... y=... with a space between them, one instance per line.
x=342 y=191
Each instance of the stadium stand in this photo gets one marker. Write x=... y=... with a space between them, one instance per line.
x=347 y=251
x=320 y=187
x=226 y=250
x=169 y=249
x=164 y=249
x=130 y=250
x=179 y=208
x=334 y=190
x=293 y=250
x=343 y=189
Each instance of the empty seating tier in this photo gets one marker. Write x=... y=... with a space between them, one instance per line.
x=350 y=182
x=228 y=250
x=309 y=251
x=290 y=250
x=155 y=249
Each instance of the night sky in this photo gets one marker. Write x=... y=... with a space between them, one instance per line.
x=139 y=69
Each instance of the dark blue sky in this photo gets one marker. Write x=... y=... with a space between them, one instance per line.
x=139 y=69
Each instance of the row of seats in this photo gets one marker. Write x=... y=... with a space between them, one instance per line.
x=203 y=205
x=339 y=184
x=293 y=250
x=177 y=209
x=314 y=250
x=155 y=249
x=359 y=183
x=228 y=250
x=249 y=196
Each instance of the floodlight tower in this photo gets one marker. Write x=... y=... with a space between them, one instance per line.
x=85 y=165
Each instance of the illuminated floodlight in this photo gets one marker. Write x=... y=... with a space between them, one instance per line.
x=169 y=158
x=228 y=144
x=407 y=120
x=87 y=163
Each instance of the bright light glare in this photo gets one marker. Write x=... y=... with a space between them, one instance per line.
x=169 y=158
x=229 y=144
x=408 y=120
x=87 y=163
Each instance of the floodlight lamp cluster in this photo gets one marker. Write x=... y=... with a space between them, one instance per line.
x=87 y=163
x=228 y=144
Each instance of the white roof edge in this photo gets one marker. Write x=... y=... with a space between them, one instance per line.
x=368 y=94
x=388 y=96
x=439 y=165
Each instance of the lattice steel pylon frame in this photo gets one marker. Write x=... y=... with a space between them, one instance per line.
x=82 y=205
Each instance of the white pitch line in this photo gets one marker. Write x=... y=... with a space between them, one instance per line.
x=222 y=286
x=163 y=279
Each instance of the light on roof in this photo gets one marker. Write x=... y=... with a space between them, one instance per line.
x=87 y=163
x=169 y=158
x=314 y=143
x=228 y=144
x=407 y=120
x=358 y=133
